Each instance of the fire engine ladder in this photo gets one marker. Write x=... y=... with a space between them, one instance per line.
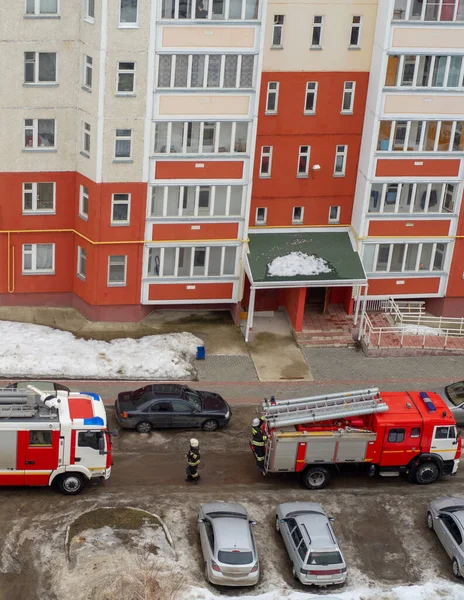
x=16 y=404
x=279 y=413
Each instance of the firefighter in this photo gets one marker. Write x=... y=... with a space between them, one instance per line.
x=193 y=460
x=258 y=443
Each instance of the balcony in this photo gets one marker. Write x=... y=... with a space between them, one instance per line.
x=443 y=11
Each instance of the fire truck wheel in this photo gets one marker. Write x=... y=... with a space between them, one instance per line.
x=456 y=571
x=427 y=472
x=315 y=478
x=143 y=427
x=71 y=483
x=430 y=521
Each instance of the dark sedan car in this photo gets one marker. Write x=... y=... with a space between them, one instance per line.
x=160 y=406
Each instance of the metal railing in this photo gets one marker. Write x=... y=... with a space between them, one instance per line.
x=416 y=315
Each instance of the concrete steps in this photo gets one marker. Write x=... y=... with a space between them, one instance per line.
x=326 y=339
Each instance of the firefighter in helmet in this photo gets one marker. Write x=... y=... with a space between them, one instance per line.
x=193 y=460
x=258 y=443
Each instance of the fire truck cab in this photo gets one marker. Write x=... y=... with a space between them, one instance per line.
x=389 y=433
x=58 y=438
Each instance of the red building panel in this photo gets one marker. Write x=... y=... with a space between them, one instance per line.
x=199 y=169
x=416 y=285
x=422 y=167
x=409 y=228
x=193 y=291
x=195 y=231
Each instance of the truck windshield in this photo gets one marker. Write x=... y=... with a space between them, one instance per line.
x=455 y=393
x=324 y=558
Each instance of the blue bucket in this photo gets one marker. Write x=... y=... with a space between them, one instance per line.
x=201 y=353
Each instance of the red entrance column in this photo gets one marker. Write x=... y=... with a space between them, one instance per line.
x=293 y=299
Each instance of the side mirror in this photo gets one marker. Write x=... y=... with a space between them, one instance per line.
x=114 y=433
x=331 y=519
x=101 y=446
x=282 y=520
x=252 y=522
x=200 y=521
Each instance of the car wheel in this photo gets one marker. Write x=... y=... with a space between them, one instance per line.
x=315 y=478
x=277 y=524
x=143 y=427
x=206 y=573
x=295 y=576
x=71 y=483
x=427 y=472
x=210 y=425
x=430 y=521
x=456 y=571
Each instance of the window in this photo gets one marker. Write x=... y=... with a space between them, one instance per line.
x=128 y=12
x=334 y=214
x=278 y=31
x=261 y=215
x=38 y=197
x=40 y=438
x=405 y=257
x=297 y=216
x=409 y=198
x=123 y=143
x=272 y=97
x=302 y=550
x=266 y=161
x=316 y=37
x=204 y=9
x=348 y=97
x=81 y=262
x=88 y=72
x=433 y=71
x=340 y=161
x=395 y=436
x=355 y=34
x=83 y=202
x=192 y=201
x=421 y=136
x=191 y=262
x=89 y=439
x=42 y=7
x=39 y=133
x=415 y=432
x=428 y=10
x=85 y=139
x=296 y=536
x=40 y=67
x=303 y=161
x=117 y=270
x=38 y=258
x=441 y=433
x=90 y=10
x=310 y=98
x=126 y=78
x=120 y=209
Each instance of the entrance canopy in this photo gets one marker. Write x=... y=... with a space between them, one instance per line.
x=343 y=265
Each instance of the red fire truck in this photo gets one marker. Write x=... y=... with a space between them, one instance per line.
x=388 y=433
x=53 y=439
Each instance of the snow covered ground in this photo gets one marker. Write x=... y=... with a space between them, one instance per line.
x=29 y=350
x=297 y=263
x=421 y=329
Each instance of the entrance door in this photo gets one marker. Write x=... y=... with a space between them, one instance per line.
x=445 y=442
x=316 y=298
x=88 y=450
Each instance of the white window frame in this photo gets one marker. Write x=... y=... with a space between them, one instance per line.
x=88 y=73
x=272 y=92
x=35 y=196
x=315 y=26
x=123 y=283
x=297 y=221
x=89 y=17
x=86 y=139
x=81 y=256
x=122 y=138
x=337 y=218
x=114 y=202
x=341 y=150
x=37 y=69
x=418 y=263
x=125 y=71
x=163 y=193
x=278 y=27
x=311 y=90
x=263 y=155
x=354 y=26
x=303 y=154
x=348 y=92
x=181 y=260
x=259 y=221
x=83 y=195
x=35 y=135
x=129 y=24
x=33 y=252
x=37 y=12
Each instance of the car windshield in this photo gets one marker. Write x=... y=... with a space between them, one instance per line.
x=325 y=558
x=235 y=557
x=455 y=393
x=194 y=398
x=222 y=515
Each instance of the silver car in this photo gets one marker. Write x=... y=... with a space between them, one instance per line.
x=445 y=516
x=453 y=396
x=311 y=543
x=228 y=544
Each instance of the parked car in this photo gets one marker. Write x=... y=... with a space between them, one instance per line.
x=228 y=544
x=43 y=386
x=445 y=516
x=161 y=405
x=454 y=397
x=311 y=543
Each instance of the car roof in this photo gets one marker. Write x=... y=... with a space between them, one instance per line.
x=162 y=390
x=315 y=525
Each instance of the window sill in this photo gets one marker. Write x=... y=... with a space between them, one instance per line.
x=346 y=112
x=41 y=84
x=38 y=273
x=116 y=285
x=128 y=26
x=83 y=217
x=277 y=47
x=89 y=20
x=123 y=160
x=42 y=16
x=315 y=47
x=334 y=222
x=84 y=154
x=302 y=176
x=39 y=150
x=27 y=213
x=339 y=175
x=126 y=94
x=354 y=47
x=270 y=113
x=264 y=176
x=309 y=113
x=260 y=224
x=297 y=222
x=86 y=89
x=122 y=224
x=81 y=277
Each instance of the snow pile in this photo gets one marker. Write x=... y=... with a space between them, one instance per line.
x=37 y=351
x=421 y=330
x=297 y=263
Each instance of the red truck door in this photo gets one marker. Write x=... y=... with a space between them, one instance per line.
x=41 y=455
x=400 y=445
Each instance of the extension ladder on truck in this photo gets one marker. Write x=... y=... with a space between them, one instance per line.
x=279 y=413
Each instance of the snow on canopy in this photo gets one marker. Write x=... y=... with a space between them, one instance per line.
x=297 y=263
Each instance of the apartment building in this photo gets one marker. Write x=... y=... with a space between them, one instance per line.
x=160 y=153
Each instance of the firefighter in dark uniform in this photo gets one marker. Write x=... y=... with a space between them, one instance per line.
x=193 y=460
x=258 y=442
